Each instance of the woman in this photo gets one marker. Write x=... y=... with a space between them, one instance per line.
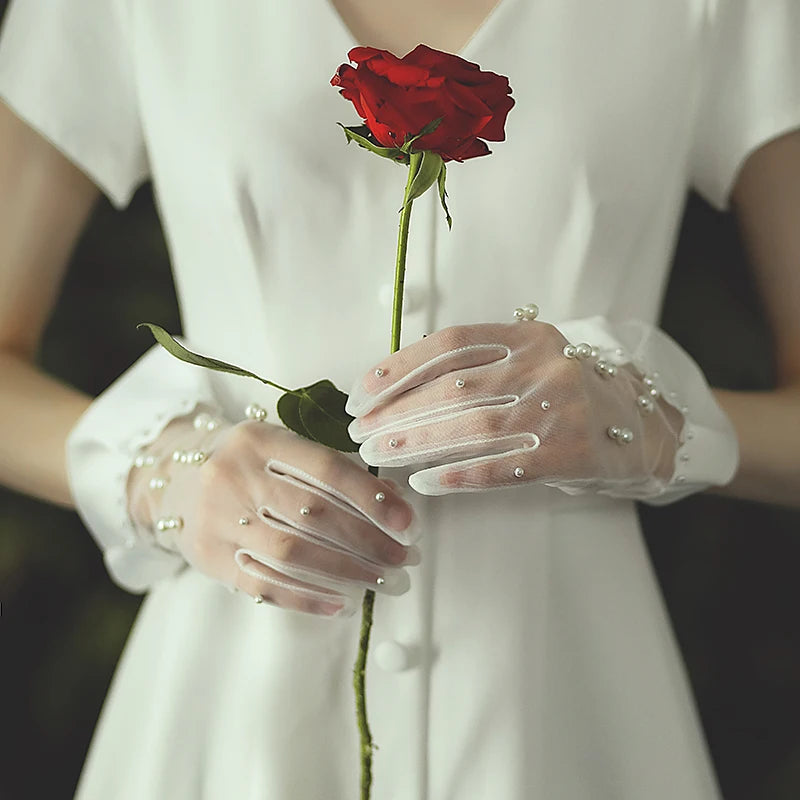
x=527 y=655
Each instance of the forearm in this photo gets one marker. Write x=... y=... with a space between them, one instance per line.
x=766 y=198
x=37 y=413
x=768 y=427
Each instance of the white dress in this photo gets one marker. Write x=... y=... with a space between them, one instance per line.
x=532 y=658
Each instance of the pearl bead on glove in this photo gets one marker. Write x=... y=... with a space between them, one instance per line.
x=496 y=405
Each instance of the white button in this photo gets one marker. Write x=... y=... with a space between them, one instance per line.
x=413 y=297
x=392 y=657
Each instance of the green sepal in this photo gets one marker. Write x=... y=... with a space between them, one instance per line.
x=318 y=414
x=355 y=134
x=429 y=128
x=443 y=194
x=426 y=166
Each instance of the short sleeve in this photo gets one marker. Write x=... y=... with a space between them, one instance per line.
x=750 y=92
x=66 y=69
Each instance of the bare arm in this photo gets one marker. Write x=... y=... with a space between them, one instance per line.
x=45 y=201
x=766 y=199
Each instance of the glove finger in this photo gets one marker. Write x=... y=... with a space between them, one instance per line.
x=293 y=558
x=258 y=581
x=305 y=556
x=446 y=395
x=482 y=473
x=474 y=432
x=335 y=521
x=437 y=414
x=345 y=480
x=418 y=364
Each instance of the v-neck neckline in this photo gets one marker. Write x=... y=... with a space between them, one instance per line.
x=480 y=33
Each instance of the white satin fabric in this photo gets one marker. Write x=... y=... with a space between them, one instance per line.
x=531 y=658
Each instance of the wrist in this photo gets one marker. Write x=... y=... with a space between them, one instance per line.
x=705 y=447
x=184 y=444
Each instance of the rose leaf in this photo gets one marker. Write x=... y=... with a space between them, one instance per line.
x=288 y=407
x=321 y=411
x=175 y=348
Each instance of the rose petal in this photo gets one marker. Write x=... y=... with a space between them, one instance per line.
x=494 y=130
x=385 y=112
x=467 y=100
x=470 y=149
x=444 y=63
x=345 y=79
x=400 y=74
x=359 y=55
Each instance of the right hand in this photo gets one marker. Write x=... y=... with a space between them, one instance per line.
x=315 y=535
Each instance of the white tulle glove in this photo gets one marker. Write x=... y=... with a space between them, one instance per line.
x=615 y=409
x=151 y=514
x=279 y=517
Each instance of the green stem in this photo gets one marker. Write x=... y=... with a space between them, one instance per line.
x=297 y=392
x=400 y=260
x=367 y=605
x=359 y=684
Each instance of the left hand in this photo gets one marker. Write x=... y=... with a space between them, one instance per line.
x=495 y=405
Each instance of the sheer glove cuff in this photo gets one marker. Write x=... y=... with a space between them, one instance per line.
x=104 y=445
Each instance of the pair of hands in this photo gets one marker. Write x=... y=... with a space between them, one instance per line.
x=296 y=524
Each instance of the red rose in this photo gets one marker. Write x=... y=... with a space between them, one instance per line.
x=398 y=97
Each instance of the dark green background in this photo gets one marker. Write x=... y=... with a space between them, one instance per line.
x=728 y=568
